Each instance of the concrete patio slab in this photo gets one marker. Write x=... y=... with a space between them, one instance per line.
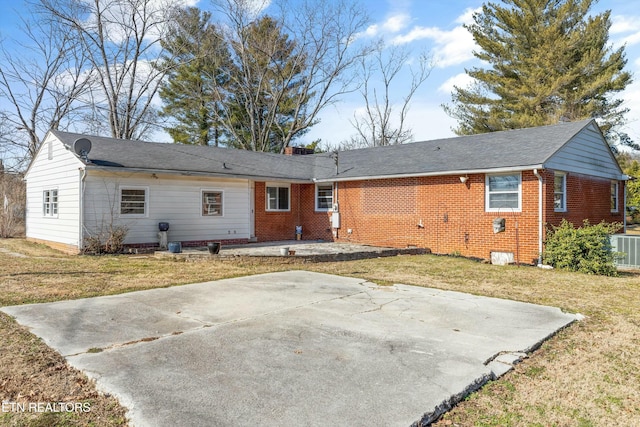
x=308 y=250
x=292 y=348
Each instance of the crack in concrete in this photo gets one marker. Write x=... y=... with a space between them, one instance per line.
x=209 y=324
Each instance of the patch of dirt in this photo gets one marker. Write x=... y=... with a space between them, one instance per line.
x=34 y=376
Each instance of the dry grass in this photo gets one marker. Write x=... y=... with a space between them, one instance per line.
x=587 y=375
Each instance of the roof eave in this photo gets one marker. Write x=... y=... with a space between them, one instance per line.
x=199 y=174
x=337 y=178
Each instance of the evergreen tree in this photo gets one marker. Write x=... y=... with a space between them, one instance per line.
x=198 y=63
x=263 y=98
x=549 y=62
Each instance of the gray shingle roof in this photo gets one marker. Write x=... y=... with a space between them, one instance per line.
x=191 y=159
x=497 y=150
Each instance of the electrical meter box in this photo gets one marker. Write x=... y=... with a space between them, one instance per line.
x=335 y=220
x=498 y=225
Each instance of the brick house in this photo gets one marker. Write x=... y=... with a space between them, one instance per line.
x=483 y=196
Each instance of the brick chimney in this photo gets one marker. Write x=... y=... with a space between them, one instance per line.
x=297 y=151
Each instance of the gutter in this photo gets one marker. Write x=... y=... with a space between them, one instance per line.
x=435 y=173
x=111 y=169
x=540 y=225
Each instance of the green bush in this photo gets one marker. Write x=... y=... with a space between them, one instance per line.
x=586 y=249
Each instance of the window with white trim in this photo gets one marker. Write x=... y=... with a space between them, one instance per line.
x=211 y=203
x=614 y=196
x=278 y=197
x=503 y=192
x=133 y=201
x=50 y=202
x=560 y=192
x=324 y=197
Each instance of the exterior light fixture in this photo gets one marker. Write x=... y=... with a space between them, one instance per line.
x=463 y=179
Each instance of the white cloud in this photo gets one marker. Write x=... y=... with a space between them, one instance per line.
x=462 y=80
x=124 y=21
x=631 y=40
x=371 y=31
x=450 y=47
x=623 y=24
x=625 y=30
x=396 y=23
x=467 y=16
x=393 y=24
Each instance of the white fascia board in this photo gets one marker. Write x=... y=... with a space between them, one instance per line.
x=193 y=173
x=438 y=173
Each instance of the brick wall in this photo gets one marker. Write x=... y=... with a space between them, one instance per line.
x=438 y=213
x=273 y=226
x=587 y=198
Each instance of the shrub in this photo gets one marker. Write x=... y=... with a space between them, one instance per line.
x=586 y=249
x=109 y=240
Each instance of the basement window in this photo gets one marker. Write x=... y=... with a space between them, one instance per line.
x=503 y=192
x=133 y=201
x=278 y=197
x=560 y=192
x=50 y=203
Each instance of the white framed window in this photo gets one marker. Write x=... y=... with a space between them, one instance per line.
x=324 y=197
x=278 y=197
x=212 y=203
x=560 y=192
x=50 y=202
x=134 y=201
x=503 y=192
x=614 y=196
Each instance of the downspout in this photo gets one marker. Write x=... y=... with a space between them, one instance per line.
x=540 y=224
x=83 y=175
x=336 y=203
x=624 y=208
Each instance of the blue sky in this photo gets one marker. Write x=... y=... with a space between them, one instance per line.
x=435 y=26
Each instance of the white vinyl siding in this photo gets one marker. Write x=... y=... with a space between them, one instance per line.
x=560 y=192
x=54 y=168
x=173 y=199
x=278 y=197
x=324 y=197
x=503 y=192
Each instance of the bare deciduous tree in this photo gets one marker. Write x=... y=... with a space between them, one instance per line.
x=41 y=83
x=383 y=121
x=121 y=41
x=317 y=71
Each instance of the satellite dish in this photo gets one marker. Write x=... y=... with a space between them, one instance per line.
x=81 y=147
